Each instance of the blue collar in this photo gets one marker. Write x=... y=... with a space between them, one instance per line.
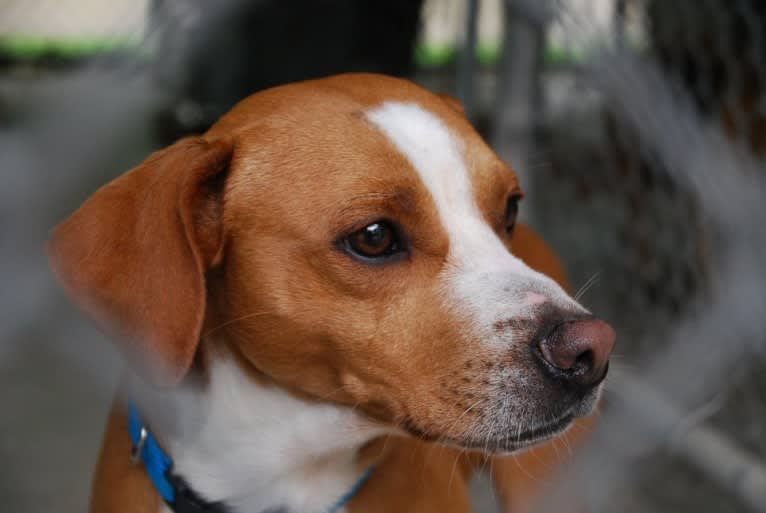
x=174 y=490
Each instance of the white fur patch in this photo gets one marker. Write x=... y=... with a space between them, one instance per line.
x=483 y=277
x=258 y=448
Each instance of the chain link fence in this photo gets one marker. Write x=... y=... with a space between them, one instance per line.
x=637 y=126
x=647 y=166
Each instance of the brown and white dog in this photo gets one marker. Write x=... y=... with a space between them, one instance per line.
x=330 y=277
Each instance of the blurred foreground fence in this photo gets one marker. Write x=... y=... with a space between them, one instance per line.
x=638 y=127
x=652 y=179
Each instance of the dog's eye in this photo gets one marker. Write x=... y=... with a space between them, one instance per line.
x=373 y=242
x=511 y=211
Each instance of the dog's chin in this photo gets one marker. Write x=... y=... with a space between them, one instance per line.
x=524 y=435
x=520 y=439
x=524 y=439
x=506 y=441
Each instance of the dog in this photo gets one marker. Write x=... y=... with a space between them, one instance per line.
x=329 y=306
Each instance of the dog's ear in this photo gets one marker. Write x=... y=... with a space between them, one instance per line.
x=134 y=256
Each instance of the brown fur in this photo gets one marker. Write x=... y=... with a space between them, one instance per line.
x=215 y=236
x=412 y=475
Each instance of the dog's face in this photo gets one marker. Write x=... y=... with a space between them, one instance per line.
x=354 y=237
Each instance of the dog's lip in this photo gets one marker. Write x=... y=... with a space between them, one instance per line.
x=546 y=430
x=507 y=443
x=527 y=438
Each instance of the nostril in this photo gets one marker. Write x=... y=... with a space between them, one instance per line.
x=583 y=361
x=578 y=351
x=564 y=351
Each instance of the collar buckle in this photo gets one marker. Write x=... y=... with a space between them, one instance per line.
x=135 y=450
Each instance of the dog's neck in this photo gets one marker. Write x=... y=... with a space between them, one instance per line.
x=256 y=447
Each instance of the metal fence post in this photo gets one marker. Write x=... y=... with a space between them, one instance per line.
x=466 y=68
x=518 y=97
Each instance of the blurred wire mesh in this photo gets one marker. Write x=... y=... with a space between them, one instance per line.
x=638 y=128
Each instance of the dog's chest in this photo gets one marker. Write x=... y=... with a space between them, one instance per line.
x=257 y=448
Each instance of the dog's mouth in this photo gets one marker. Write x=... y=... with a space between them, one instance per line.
x=497 y=442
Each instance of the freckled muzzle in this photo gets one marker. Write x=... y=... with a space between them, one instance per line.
x=550 y=376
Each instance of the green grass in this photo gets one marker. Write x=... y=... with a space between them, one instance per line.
x=434 y=56
x=437 y=56
x=27 y=48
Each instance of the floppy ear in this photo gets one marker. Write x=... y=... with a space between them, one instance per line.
x=134 y=255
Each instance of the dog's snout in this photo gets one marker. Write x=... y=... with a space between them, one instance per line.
x=577 y=352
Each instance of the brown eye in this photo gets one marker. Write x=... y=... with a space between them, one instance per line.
x=375 y=241
x=511 y=211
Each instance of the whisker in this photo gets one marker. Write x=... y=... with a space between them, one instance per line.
x=452 y=426
x=331 y=393
x=567 y=443
x=232 y=321
x=491 y=470
x=523 y=468
x=452 y=473
x=555 y=445
x=587 y=285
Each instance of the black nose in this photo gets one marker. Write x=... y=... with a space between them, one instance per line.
x=577 y=352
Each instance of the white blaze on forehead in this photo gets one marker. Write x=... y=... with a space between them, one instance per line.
x=432 y=150
x=437 y=156
x=485 y=275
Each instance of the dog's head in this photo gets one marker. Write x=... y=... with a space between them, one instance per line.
x=352 y=239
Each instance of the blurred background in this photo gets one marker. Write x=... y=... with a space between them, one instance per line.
x=638 y=128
